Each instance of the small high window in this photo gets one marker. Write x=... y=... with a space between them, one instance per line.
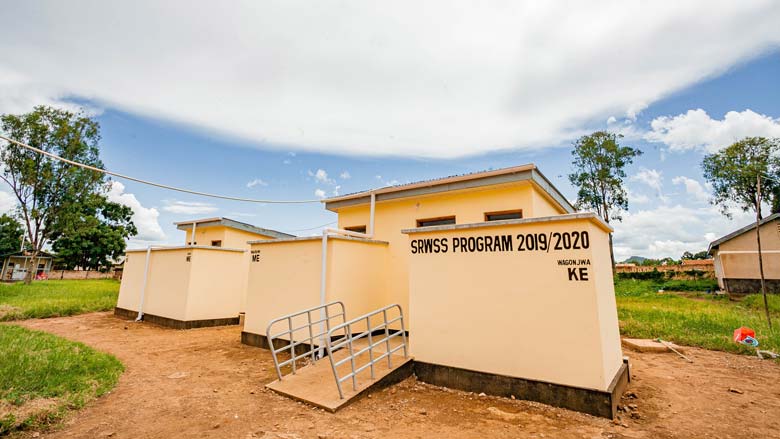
x=216 y=243
x=440 y=221
x=504 y=215
x=357 y=229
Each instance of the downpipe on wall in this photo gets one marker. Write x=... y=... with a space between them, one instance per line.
x=324 y=276
x=143 y=287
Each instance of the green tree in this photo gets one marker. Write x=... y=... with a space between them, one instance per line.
x=775 y=196
x=48 y=190
x=599 y=170
x=96 y=236
x=10 y=235
x=738 y=175
x=704 y=254
x=699 y=255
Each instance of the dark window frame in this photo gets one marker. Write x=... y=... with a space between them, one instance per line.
x=216 y=243
x=436 y=221
x=504 y=215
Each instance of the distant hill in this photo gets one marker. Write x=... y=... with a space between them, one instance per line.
x=634 y=259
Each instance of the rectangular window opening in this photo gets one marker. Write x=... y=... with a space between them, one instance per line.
x=357 y=229
x=440 y=221
x=504 y=215
x=216 y=243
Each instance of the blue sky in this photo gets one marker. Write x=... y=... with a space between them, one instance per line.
x=298 y=115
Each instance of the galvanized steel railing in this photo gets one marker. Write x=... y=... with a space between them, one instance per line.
x=343 y=335
x=325 y=318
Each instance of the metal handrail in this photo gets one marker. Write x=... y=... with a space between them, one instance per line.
x=348 y=339
x=324 y=322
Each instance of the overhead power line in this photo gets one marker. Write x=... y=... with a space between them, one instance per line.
x=312 y=228
x=151 y=183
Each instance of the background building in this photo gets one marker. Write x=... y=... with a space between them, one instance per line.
x=15 y=265
x=736 y=258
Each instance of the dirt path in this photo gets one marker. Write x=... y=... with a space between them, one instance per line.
x=205 y=383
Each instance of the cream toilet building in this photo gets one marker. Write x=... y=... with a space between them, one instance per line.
x=200 y=283
x=506 y=289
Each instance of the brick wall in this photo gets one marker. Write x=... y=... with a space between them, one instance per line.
x=79 y=275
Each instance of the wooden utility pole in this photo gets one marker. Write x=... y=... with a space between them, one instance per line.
x=758 y=241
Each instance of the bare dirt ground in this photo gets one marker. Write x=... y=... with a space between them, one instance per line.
x=205 y=383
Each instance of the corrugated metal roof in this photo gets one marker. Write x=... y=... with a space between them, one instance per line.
x=227 y=222
x=455 y=182
x=433 y=181
x=714 y=244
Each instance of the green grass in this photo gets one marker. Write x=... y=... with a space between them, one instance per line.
x=42 y=376
x=55 y=298
x=693 y=318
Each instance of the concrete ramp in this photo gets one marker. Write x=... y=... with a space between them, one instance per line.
x=363 y=353
x=315 y=384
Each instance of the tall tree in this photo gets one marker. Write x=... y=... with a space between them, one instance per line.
x=48 y=190
x=10 y=235
x=599 y=170
x=738 y=175
x=96 y=236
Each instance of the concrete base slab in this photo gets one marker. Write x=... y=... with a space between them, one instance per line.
x=647 y=345
x=173 y=323
x=595 y=402
x=315 y=384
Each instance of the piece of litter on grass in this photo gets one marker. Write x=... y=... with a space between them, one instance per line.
x=669 y=345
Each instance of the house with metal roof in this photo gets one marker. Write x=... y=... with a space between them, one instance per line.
x=736 y=258
x=15 y=265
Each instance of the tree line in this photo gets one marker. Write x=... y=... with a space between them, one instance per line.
x=60 y=208
x=744 y=175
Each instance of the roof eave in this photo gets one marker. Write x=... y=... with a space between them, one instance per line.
x=231 y=223
x=716 y=243
x=507 y=175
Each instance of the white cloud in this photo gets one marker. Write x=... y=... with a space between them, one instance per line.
x=19 y=94
x=340 y=78
x=146 y=219
x=634 y=109
x=8 y=202
x=671 y=230
x=695 y=129
x=384 y=182
x=345 y=175
x=319 y=193
x=256 y=182
x=241 y=214
x=189 y=207
x=693 y=188
x=637 y=198
x=653 y=178
x=321 y=177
